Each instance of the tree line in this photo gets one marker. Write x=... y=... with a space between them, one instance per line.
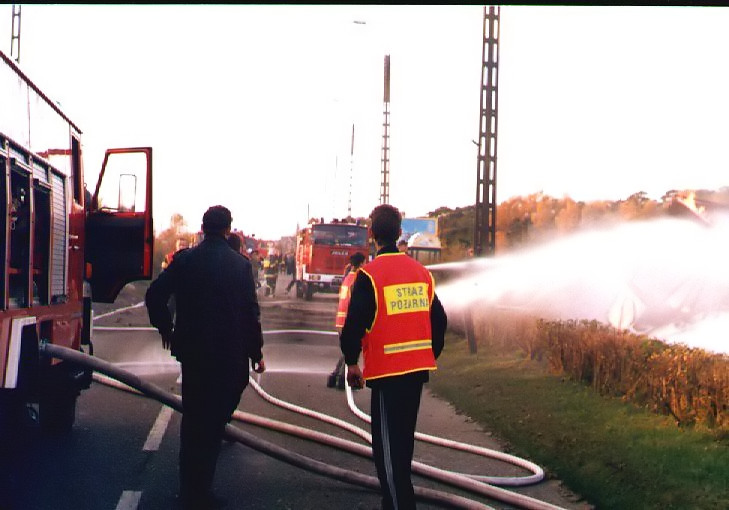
x=538 y=217
x=520 y=220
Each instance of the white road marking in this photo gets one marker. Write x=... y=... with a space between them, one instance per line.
x=141 y=303
x=124 y=328
x=129 y=500
x=158 y=430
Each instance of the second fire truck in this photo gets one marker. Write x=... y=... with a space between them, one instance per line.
x=322 y=253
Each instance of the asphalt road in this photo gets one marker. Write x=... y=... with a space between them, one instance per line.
x=123 y=451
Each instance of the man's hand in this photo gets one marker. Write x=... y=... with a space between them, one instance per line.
x=258 y=366
x=166 y=340
x=354 y=376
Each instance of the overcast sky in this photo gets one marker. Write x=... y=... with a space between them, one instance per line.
x=253 y=106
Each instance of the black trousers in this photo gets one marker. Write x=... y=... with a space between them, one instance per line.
x=210 y=395
x=394 y=411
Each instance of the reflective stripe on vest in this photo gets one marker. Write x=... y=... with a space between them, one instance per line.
x=345 y=294
x=399 y=340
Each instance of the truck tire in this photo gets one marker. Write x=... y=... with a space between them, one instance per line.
x=10 y=415
x=299 y=290
x=57 y=412
x=308 y=291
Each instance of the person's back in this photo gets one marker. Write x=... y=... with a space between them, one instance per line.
x=210 y=304
x=397 y=323
x=216 y=331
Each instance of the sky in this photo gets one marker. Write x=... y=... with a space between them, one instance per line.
x=252 y=106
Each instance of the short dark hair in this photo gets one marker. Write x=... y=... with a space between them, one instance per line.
x=216 y=219
x=357 y=259
x=234 y=242
x=386 y=222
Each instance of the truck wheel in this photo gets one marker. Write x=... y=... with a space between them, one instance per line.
x=309 y=292
x=57 y=412
x=299 y=290
x=10 y=415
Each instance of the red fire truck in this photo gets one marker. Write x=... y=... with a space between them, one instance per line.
x=60 y=247
x=322 y=253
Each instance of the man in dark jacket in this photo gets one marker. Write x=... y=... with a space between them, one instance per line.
x=216 y=332
x=397 y=322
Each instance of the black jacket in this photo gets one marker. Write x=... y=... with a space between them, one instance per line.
x=217 y=313
x=361 y=314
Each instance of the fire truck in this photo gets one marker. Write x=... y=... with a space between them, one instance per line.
x=322 y=253
x=61 y=247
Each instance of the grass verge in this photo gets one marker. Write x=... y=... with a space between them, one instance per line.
x=615 y=455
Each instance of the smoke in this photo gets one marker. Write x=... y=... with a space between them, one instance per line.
x=667 y=278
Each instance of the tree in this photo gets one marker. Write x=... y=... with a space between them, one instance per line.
x=569 y=216
x=166 y=240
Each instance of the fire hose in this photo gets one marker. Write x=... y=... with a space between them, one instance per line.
x=472 y=483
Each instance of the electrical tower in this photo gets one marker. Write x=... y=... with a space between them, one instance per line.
x=484 y=239
x=15 y=34
x=385 y=186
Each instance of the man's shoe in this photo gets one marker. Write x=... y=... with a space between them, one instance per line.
x=209 y=502
x=215 y=502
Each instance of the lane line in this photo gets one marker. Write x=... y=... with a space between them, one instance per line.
x=129 y=500
x=137 y=305
x=158 y=430
x=124 y=328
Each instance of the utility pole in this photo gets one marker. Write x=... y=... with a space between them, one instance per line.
x=385 y=157
x=351 y=171
x=484 y=239
x=484 y=236
x=15 y=34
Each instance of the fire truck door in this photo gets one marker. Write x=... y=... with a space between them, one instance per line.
x=119 y=234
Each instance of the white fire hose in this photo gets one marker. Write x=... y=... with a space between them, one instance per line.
x=477 y=484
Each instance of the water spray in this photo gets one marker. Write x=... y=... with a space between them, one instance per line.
x=667 y=278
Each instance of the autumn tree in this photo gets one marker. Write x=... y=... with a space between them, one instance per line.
x=166 y=240
x=569 y=216
x=544 y=214
x=637 y=207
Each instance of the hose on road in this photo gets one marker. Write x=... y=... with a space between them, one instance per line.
x=175 y=402
x=477 y=484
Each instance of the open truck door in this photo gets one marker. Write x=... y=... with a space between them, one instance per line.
x=119 y=233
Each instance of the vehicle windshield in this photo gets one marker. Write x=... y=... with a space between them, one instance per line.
x=342 y=235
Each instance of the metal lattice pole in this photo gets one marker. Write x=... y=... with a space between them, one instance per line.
x=484 y=242
x=385 y=158
x=15 y=34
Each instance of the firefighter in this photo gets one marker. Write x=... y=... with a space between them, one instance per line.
x=180 y=244
x=255 y=259
x=270 y=273
x=336 y=378
x=397 y=322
